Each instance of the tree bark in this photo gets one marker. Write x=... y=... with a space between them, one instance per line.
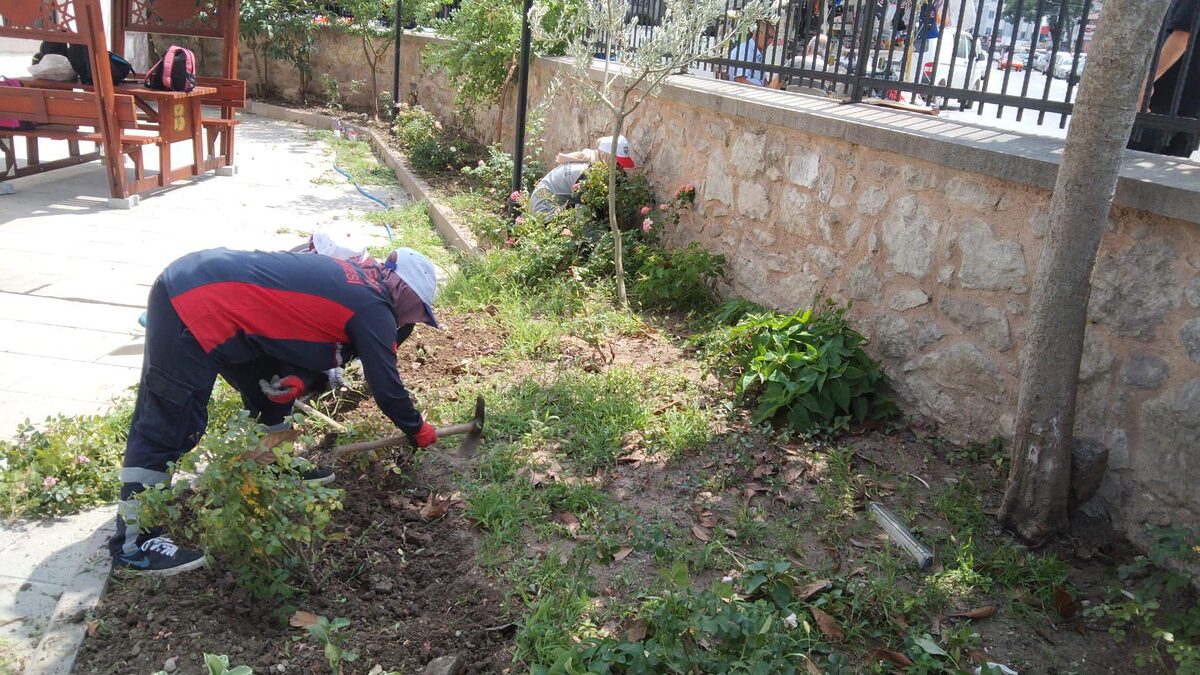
x=373 y=76
x=614 y=221
x=1036 y=499
x=499 y=130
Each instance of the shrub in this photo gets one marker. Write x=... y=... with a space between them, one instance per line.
x=633 y=192
x=264 y=522
x=69 y=465
x=808 y=368
x=495 y=171
x=681 y=279
x=414 y=124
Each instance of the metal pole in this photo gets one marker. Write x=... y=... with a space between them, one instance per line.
x=522 y=94
x=396 y=57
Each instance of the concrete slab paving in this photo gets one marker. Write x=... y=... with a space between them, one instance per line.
x=74 y=276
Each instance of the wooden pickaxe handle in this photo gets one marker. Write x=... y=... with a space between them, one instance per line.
x=474 y=426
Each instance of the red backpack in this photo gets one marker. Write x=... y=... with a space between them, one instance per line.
x=175 y=71
x=12 y=123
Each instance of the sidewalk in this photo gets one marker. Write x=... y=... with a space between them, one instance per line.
x=73 y=280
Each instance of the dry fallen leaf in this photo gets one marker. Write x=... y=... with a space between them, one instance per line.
x=811 y=667
x=707 y=519
x=1064 y=604
x=813 y=588
x=892 y=657
x=435 y=508
x=622 y=553
x=567 y=519
x=977 y=613
x=302 y=619
x=635 y=630
x=701 y=533
x=829 y=626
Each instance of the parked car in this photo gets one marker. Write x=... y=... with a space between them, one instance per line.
x=1013 y=62
x=1041 y=61
x=952 y=62
x=1062 y=69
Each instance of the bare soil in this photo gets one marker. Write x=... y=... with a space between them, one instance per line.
x=414 y=591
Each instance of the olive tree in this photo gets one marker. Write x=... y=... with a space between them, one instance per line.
x=1036 y=499
x=619 y=63
x=366 y=24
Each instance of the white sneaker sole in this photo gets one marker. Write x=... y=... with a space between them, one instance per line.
x=322 y=481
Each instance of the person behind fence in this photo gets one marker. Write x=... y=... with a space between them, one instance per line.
x=558 y=189
x=753 y=50
x=272 y=324
x=1180 y=30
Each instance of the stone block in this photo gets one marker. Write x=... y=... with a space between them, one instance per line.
x=910 y=299
x=893 y=337
x=1189 y=334
x=444 y=665
x=7 y=189
x=990 y=264
x=970 y=193
x=1088 y=464
x=1165 y=459
x=909 y=235
x=918 y=178
x=822 y=261
x=977 y=320
x=1192 y=292
x=752 y=200
x=718 y=184
x=1134 y=291
x=871 y=201
x=863 y=284
x=1097 y=358
x=1145 y=371
x=230 y=170
x=926 y=332
x=124 y=203
x=794 y=215
x=747 y=154
x=804 y=167
x=957 y=382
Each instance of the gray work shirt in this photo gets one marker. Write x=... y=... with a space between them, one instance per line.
x=554 y=190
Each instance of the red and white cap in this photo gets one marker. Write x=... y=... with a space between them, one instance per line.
x=624 y=159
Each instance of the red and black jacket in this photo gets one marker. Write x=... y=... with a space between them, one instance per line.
x=297 y=308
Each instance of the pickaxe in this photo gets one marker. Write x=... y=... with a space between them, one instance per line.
x=472 y=429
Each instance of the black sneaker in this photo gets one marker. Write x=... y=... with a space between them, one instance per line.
x=318 y=475
x=159 y=556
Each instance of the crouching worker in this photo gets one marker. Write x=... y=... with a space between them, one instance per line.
x=271 y=324
x=558 y=189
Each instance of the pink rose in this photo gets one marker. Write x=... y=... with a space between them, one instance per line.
x=437 y=125
x=83 y=459
x=662 y=207
x=645 y=210
x=647 y=224
x=515 y=196
x=49 y=482
x=520 y=220
x=481 y=163
x=510 y=241
x=566 y=232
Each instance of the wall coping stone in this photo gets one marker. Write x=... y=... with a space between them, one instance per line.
x=1158 y=184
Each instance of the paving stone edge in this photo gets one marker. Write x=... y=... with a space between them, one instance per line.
x=445 y=220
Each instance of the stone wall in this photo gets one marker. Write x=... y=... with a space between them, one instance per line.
x=933 y=230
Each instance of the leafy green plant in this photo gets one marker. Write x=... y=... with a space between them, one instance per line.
x=414 y=124
x=375 y=40
x=1162 y=603
x=332 y=636
x=680 y=279
x=215 y=664
x=67 y=465
x=494 y=172
x=633 y=193
x=809 y=369
x=264 y=522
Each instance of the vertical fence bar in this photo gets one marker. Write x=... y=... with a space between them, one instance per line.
x=1033 y=43
x=864 y=55
x=396 y=56
x=987 y=70
x=522 y=95
x=1053 y=57
x=1087 y=10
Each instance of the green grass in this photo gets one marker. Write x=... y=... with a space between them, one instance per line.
x=357 y=159
x=411 y=227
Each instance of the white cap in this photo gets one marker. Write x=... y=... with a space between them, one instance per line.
x=624 y=159
x=343 y=245
x=418 y=273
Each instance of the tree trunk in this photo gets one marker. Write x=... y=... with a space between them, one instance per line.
x=373 y=76
x=1035 y=501
x=499 y=134
x=614 y=221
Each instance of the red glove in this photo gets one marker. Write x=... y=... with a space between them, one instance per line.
x=426 y=437
x=282 y=390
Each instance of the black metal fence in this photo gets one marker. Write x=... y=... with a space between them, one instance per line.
x=1014 y=63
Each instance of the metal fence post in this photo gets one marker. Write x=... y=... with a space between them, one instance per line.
x=396 y=57
x=522 y=95
x=864 y=51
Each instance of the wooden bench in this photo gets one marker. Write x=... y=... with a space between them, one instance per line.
x=59 y=115
x=230 y=96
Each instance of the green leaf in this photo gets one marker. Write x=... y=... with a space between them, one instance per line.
x=926 y=642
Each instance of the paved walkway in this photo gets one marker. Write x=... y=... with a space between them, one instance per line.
x=73 y=280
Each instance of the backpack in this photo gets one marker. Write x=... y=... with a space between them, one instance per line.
x=175 y=71
x=19 y=125
x=118 y=67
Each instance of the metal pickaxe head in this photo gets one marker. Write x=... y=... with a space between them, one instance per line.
x=474 y=436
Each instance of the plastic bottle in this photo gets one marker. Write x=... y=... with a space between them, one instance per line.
x=339 y=129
